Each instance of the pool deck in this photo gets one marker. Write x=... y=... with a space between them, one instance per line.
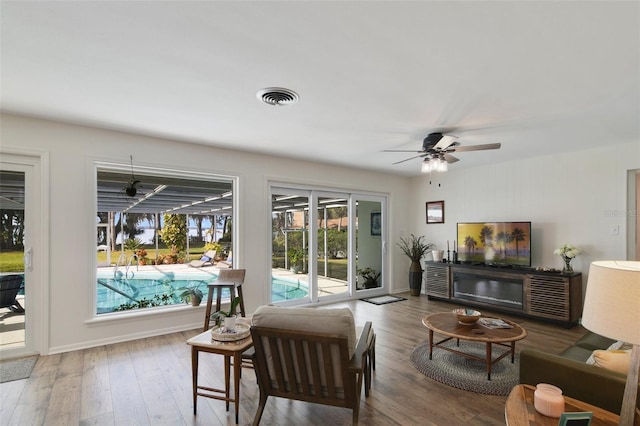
x=326 y=285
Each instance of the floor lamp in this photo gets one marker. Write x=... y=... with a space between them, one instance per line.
x=612 y=309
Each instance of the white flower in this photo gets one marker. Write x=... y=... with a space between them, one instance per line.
x=568 y=251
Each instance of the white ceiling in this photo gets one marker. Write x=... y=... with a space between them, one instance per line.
x=539 y=77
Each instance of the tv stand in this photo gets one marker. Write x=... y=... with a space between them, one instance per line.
x=520 y=291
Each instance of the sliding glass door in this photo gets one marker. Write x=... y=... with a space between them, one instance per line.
x=290 y=245
x=332 y=222
x=325 y=245
x=369 y=238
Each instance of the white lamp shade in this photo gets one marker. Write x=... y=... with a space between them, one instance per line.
x=612 y=300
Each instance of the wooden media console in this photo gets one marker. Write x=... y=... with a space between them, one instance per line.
x=517 y=290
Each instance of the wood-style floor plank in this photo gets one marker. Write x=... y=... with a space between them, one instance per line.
x=148 y=381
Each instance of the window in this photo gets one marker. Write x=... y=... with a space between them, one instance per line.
x=151 y=224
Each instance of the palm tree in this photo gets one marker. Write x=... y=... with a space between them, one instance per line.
x=470 y=243
x=486 y=236
x=518 y=235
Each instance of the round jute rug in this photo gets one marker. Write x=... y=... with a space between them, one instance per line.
x=464 y=373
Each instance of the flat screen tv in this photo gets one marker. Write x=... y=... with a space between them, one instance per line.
x=500 y=243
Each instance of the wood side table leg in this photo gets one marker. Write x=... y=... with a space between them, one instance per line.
x=430 y=344
x=207 y=313
x=194 y=377
x=227 y=365
x=237 y=368
x=513 y=351
x=488 y=360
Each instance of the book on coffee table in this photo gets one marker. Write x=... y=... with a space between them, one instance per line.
x=494 y=323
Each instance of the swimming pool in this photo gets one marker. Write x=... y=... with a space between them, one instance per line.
x=113 y=293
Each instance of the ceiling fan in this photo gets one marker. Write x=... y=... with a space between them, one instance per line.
x=437 y=149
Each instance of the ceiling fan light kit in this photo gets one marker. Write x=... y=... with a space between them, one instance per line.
x=434 y=165
x=437 y=149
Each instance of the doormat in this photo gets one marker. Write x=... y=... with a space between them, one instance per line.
x=383 y=300
x=17 y=369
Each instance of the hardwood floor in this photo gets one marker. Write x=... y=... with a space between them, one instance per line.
x=148 y=381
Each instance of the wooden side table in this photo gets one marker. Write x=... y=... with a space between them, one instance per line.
x=520 y=411
x=203 y=343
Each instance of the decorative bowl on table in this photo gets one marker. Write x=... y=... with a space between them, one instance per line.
x=466 y=316
x=223 y=334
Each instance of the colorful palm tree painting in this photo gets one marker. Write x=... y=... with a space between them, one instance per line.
x=495 y=242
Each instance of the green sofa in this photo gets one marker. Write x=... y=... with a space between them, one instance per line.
x=569 y=371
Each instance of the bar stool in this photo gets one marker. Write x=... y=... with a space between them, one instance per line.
x=230 y=279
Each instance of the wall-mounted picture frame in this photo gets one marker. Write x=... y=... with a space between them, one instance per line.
x=376 y=224
x=576 y=419
x=435 y=211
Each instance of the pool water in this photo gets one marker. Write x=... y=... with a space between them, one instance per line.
x=114 y=292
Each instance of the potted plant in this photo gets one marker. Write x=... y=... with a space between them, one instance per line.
x=295 y=257
x=370 y=277
x=414 y=248
x=227 y=317
x=191 y=295
x=142 y=256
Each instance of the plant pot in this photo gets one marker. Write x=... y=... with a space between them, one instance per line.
x=415 y=278
x=195 y=301
x=230 y=323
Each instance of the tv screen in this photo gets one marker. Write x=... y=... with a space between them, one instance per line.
x=503 y=243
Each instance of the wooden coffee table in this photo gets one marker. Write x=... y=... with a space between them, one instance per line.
x=446 y=324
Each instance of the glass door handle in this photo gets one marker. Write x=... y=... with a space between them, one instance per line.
x=28 y=259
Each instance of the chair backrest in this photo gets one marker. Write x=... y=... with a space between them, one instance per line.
x=9 y=287
x=304 y=354
x=211 y=254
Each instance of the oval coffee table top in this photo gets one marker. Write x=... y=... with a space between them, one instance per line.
x=447 y=324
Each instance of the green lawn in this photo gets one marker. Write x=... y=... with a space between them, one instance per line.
x=13 y=261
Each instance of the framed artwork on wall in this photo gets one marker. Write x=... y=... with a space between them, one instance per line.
x=376 y=224
x=435 y=211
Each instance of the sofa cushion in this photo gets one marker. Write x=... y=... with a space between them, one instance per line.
x=577 y=353
x=333 y=321
x=614 y=360
x=593 y=341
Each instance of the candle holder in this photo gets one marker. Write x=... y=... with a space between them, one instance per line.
x=448 y=258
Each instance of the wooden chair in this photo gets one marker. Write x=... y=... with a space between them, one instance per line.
x=309 y=355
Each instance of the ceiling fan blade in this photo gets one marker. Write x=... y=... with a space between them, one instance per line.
x=401 y=150
x=445 y=142
x=411 y=158
x=450 y=158
x=477 y=147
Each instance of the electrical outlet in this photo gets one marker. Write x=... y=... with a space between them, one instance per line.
x=614 y=230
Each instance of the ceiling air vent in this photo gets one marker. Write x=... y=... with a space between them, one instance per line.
x=277 y=96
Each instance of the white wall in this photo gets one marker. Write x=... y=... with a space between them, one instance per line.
x=573 y=198
x=569 y=198
x=73 y=150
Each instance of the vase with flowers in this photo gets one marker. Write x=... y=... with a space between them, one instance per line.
x=567 y=252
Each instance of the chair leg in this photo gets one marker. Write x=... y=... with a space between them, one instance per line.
x=373 y=352
x=242 y=311
x=356 y=412
x=263 y=402
x=16 y=307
